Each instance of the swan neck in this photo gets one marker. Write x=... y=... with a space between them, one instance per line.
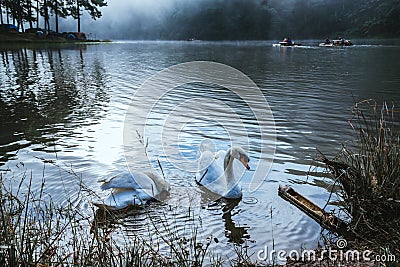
x=228 y=167
x=158 y=182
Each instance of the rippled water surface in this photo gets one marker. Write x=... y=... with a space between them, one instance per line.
x=63 y=110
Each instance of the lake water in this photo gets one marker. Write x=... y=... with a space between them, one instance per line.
x=63 y=109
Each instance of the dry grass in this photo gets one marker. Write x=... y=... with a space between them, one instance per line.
x=34 y=231
x=368 y=170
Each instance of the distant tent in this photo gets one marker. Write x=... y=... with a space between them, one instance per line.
x=8 y=28
x=80 y=36
x=75 y=36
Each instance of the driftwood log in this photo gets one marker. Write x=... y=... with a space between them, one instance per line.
x=327 y=220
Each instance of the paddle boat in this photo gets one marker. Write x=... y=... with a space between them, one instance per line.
x=335 y=43
x=286 y=42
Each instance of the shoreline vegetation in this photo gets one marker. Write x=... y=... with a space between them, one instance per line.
x=31 y=38
x=368 y=172
x=26 y=38
x=37 y=232
x=216 y=20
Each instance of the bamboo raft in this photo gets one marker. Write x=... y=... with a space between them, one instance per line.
x=327 y=220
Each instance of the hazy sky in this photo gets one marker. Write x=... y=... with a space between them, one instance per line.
x=227 y=19
x=119 y=15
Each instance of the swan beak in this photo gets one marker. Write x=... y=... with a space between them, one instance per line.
x=245 y=163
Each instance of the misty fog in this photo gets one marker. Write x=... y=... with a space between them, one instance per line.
x=240 y=19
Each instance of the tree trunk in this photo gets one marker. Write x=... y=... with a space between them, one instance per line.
x=48 y=23
x=22 y=25
x=78 y=15
x=8 y=15
x=20 y=19
x=30 y=13
x=37 y=14
x=56 y=12
x=1 y=14
x=46 y=16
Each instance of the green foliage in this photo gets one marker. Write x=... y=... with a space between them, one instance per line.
x=376 y=17
x=320 y=18
x=24 y=10
x=91 y=6
x=231 y=19
x=266 y=19
x=219 y=20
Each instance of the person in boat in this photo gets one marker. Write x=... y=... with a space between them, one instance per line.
x=342 y=41
x=327 y=41
x=338 y=40
x=347 y=43
x=289 y=41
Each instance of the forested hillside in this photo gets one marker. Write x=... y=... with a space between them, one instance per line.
x=216 y=19
x=272 y=19
x=316 y=18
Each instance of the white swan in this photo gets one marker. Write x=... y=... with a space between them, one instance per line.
x=133 y=188
x=216 y=171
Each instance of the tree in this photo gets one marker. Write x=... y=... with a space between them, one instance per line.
x=7 y=7
x=58 y=9
x=44 y=12
x=1 y=12
x=27 y=6
x=37 y=13
x=91 y=6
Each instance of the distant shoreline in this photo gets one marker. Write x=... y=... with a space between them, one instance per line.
x=31 y=38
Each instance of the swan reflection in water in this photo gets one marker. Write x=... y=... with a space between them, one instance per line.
x=136 y=218
x=235 y=233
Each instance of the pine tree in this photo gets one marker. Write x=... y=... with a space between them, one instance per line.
x=91 y=6
x=58 y=9
x=1 y=12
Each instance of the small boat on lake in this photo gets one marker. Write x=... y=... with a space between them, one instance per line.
x=336 y=43
x=286 y=44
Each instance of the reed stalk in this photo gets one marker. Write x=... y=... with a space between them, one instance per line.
x=368 y=170
x=35 y=231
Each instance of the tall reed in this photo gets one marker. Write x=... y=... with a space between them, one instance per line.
x=368 y=169
x=35 y=231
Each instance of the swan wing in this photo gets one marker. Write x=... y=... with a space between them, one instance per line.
x=131 y=180
x=122 y=198
x=220 y=157
x=208 y=169
x=211 y=173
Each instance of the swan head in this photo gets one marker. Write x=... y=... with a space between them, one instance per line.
x=163 y=187
x=239 y=154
